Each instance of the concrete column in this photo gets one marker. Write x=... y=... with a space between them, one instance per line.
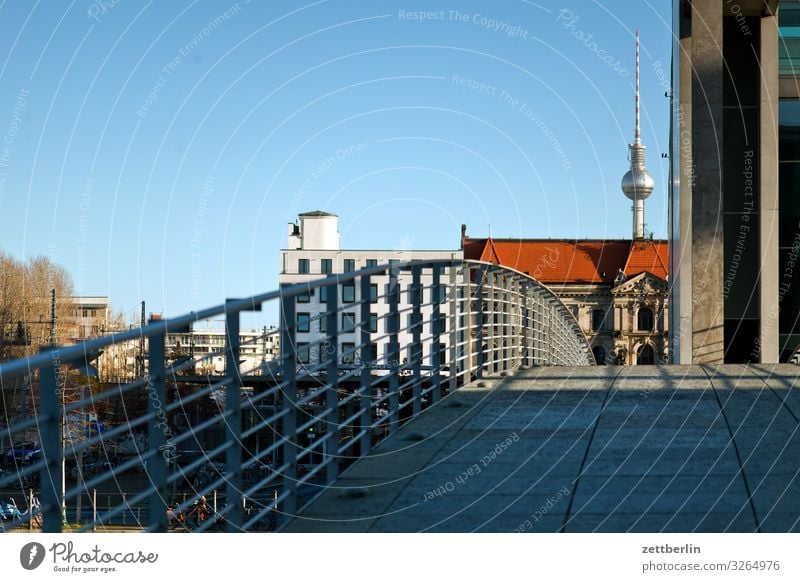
x=707 y=230
x=768 y=188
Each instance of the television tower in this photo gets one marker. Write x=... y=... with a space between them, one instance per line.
x=637 y=183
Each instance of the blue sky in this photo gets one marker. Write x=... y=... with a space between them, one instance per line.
x=157 y=150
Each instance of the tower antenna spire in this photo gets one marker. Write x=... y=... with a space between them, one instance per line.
x=637 y=138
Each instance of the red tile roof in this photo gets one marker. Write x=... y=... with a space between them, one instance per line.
x=572 y=261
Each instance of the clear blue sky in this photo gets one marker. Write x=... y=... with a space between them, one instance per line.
x=157 y=150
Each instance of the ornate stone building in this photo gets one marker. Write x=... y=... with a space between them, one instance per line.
x=617 y=289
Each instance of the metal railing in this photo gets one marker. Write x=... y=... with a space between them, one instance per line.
x=350 y=373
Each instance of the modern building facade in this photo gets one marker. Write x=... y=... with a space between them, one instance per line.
x=314 y=252
x=616 y=289
x=735 y=181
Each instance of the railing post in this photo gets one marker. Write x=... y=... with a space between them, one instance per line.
x=416 y=339
x=436 y=328
x=492 y=309
x=393 y=322
x=156 y=402
x=233 y=426
x=481 y=354
x=454 y=315
x=525 y=350
x=289 y=419
x=331 y=453
x=365 y=401
x=52 y=446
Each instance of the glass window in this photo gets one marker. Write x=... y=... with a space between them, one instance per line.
x=598 y=315
x=304 y=297
x=372 y=262
x=373 y=323
x=442 y=354
x=373 y=293
x=348 y=293
x=348 y=353
x=644 y=319
x=349 y=265
x=323 y=294
x=302 y=266
x=373 y=352
x=323 y=323
x=326 y=266
x=303 y=322
x=303 y=353
x=442 y=327
x=348 y=322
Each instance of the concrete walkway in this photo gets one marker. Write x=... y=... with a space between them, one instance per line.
x=613 y=449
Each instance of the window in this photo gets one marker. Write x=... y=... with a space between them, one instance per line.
x=349 y=265
x=598 y=315
x=373 y=293
x=348 y=353
x=303 y=322
x=644 y=319
x=323 y=295
x=646 y=356
x=442 y=354
x=302 y=266
x=303 y=353
x=599 y=355
x=373 y=352
x=373 y=323
x=348 y=322
x=442 y=293
x=372 y=262
x=304 y=297
x=442 y=327
x=326 y=266
x=323 y=323
x=348 y=293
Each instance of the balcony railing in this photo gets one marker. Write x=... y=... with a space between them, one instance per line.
x=244 y=452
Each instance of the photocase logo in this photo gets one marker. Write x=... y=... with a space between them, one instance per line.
x=31 y=555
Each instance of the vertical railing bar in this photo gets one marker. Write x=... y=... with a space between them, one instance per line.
x=365 y=401
x=50 y=386
x=233 y=428
x=479 y=323
x=394 y=350
x=329 y=452
x=289 y=420
x=416 y=339
x=454 y=307
x=436 y=325
x=156 y=402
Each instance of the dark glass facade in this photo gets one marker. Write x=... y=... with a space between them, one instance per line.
x=740 y=189
x=789 y=191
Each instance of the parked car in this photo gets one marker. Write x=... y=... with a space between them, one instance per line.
x=23 y=452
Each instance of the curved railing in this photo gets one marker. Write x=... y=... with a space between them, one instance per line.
x=361 y=354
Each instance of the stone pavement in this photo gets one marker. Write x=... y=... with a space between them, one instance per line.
x=606 y=449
